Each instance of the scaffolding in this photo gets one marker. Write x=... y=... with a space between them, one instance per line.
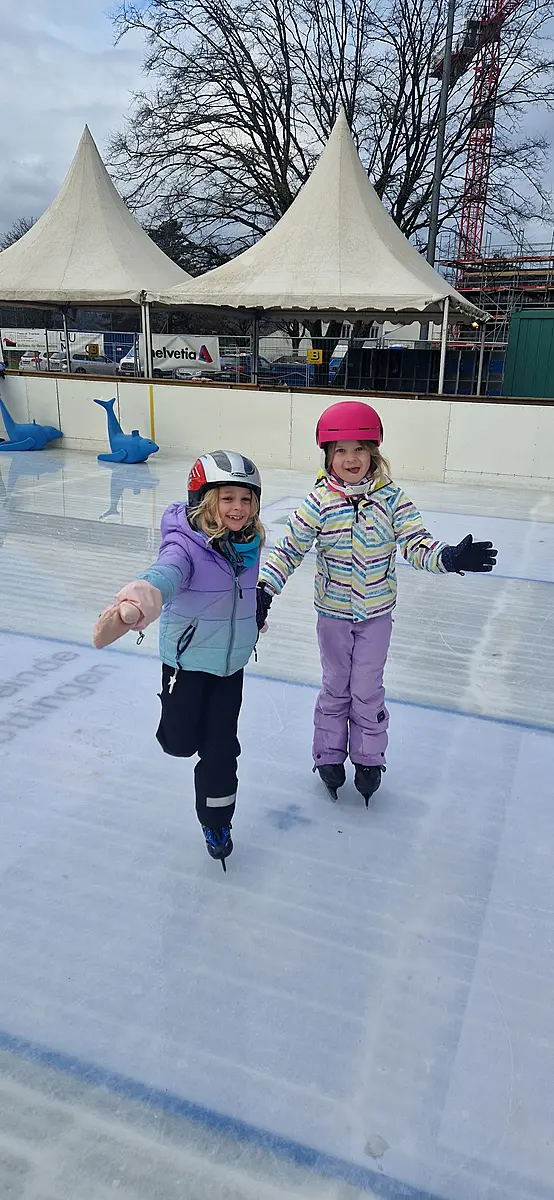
x=502 y=283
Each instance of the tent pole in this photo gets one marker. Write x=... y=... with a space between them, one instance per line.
x=66 y=336
x=444 y=335
x=143 y=336
x=147 y=337
x=481 y=356
x=149 y=360
x=255 y=349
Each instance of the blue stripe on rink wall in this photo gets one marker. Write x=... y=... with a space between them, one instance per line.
x=131 y=1089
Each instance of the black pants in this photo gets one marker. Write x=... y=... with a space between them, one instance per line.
x=200 y=716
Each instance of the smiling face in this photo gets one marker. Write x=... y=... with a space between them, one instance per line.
x=351 y=461
x=234 y=506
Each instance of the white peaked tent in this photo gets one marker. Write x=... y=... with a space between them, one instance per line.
x=87 y=248
x=335 y=252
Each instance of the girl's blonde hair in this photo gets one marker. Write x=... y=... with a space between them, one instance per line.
x=206 y=517
x=379 y=466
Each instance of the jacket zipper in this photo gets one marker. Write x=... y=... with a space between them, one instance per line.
x=236 y=592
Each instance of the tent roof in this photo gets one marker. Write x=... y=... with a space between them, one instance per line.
x=336 y=251
x=86 y=248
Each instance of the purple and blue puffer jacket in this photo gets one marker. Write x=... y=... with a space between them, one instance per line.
x=208 y=618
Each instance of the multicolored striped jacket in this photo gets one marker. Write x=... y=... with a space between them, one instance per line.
x=356 y=548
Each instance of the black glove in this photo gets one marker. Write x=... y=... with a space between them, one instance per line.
x=469 y=556
x=263 y=604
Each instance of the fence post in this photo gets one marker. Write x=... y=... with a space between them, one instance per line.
x=66 y=335
x=348 y=345
x=444 y=335
x=255 y=349
x=481 y=356
x=147 y=335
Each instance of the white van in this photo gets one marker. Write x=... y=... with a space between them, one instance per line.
x=129 y=365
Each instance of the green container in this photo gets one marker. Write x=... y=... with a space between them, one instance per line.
x=529 y=368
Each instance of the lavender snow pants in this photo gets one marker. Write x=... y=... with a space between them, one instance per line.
x=353 y=657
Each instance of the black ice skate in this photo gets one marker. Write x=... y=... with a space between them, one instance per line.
x=218 y=843
x=367 y=780
x=333 y=776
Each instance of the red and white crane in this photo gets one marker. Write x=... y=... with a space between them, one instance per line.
x=480 y=44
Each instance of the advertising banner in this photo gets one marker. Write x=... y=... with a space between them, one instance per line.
x=35 y=339
x=183 y=352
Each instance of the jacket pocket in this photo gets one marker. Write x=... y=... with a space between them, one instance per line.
x=185 y=639
x=322 y=578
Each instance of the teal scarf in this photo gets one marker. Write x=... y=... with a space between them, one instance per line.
x=241 y=554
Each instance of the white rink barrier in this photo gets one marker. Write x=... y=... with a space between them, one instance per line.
x=438 y=440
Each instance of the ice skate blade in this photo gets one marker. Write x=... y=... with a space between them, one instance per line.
x=224 y=865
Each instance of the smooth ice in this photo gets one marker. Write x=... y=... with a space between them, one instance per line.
x=363 y=1004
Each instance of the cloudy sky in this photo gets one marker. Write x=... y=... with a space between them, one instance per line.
x=59 y=69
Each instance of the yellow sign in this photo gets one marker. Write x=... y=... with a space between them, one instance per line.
x=93 y=350
x=315 y=356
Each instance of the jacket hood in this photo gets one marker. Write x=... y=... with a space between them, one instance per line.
x=176 y=516
x=197 y=535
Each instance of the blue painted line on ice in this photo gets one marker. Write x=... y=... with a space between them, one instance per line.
x=132 y=1089
x=59 y=641
x=512 y=722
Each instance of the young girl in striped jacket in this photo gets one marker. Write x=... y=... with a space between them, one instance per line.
x=357 y=517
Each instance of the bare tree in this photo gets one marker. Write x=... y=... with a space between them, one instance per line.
x=171 y=238
x=243 y=96
x=18 y=229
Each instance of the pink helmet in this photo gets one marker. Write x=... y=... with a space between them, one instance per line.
x=349 y=421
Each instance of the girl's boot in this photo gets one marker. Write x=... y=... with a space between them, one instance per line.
x=367 y=780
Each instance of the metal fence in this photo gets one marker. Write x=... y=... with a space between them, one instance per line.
x=44 y=350
x=376 y=364
x=373 y=364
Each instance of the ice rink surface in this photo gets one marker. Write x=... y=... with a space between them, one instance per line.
x=362 y=1006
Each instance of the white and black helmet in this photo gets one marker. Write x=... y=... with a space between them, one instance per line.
x=222 y=467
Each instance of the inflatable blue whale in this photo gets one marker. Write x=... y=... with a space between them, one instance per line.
x=125 y=447
x=29 y=436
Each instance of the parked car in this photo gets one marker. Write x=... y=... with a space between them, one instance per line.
x=293 y=372
x=235 y=368
x=55 y=360
x=39 y=360
x=83 y=364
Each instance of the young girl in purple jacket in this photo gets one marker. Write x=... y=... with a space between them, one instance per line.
x=203 y=588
